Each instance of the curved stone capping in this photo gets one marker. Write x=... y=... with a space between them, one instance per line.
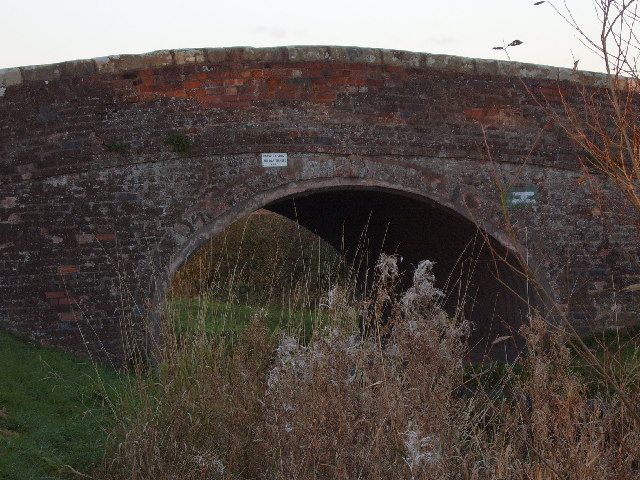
x=116 y=64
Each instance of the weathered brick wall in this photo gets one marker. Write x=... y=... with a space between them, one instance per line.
x=97 y=210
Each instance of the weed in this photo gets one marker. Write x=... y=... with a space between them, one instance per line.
x=179 y=143
x=116 y=147
x=392 y=401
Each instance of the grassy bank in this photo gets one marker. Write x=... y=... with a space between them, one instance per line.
x=53 y=409
x=53 y=412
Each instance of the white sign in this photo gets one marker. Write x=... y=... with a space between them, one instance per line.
x=523 y=197
x=274 y=160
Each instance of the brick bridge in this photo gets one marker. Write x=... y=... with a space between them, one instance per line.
x=113 y=171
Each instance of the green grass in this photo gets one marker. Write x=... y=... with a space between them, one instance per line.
x=53 y=412
x=230 y=320
x=625 y=344
x=619 y=351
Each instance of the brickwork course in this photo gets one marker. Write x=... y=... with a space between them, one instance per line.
x=113 y=171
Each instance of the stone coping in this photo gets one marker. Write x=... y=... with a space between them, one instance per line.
x=118 y=64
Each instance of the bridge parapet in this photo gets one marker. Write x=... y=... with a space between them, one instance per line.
x=118 y=64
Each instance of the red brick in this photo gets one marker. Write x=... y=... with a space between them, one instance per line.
x=549 y=91
x=69 y=316
x=475 y=113
x=105 y=237
x=233 y=82
x=192 y=85
x=67 y=269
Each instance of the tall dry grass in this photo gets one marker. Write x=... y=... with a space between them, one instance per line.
x=393 y=400
x=245 y=263
x=381 y=390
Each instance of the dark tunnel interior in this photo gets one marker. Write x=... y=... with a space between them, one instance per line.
x=484 y=277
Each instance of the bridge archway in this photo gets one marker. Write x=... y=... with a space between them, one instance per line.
x=479 y=274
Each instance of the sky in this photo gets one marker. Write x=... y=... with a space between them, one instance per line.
x=37 y=31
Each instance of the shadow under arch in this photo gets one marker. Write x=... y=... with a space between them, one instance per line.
x=470 y=260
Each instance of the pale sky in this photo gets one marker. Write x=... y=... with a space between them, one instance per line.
x=46 y=31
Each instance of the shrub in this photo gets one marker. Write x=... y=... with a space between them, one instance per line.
x=390 y=401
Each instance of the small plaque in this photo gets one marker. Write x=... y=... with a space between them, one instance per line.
x=270 y=160
x=521 y=196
